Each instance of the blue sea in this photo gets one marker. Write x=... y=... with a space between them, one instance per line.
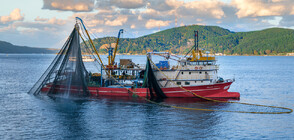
x=267 y=80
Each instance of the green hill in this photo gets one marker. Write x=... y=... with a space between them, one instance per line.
x=6 y=47
x=211 y=38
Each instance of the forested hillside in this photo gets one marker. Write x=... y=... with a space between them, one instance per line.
x=6 y=47
x=211 y=38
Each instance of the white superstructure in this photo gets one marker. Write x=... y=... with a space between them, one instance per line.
x=189 y=73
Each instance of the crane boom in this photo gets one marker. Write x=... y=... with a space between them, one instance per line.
x=115 y=49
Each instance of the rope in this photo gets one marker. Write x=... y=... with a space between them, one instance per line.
x=209 y=99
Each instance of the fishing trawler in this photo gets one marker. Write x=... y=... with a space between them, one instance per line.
x=196 y=74
x=192 y=77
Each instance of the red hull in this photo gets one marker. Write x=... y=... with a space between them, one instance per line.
x=211 y=91
x=219 y=90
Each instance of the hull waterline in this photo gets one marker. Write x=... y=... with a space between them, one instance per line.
x=219 y=90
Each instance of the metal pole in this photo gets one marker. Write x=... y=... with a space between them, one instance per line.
x=137 y=78
x=196 y=40
x=101 y=77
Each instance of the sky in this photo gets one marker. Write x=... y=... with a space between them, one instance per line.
x=47 y=23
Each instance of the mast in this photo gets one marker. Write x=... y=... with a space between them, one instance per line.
x=115 y=49
x=196 y=40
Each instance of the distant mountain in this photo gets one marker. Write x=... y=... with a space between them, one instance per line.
x=211 y=38
x=6 y=47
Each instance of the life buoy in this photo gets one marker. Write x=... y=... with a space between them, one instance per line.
x=196 y=68
x=200 y=68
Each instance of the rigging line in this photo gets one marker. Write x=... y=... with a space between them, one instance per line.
x=189 y=51
x=96 y=63
x=95 y=37
x=132 y=36
x=90 y=40
x=103 y=58
x=96 y=60
x=104 y=68
x=90 y=49
x=270 y=106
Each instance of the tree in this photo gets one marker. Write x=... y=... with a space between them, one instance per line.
x=256 y=52
x=267 y=51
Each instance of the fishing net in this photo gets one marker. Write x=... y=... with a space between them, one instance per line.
x=67 y=74
x=151 y=83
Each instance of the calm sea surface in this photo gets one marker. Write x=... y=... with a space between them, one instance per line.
x=262 y=80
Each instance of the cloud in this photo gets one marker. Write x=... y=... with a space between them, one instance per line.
x=133 y=26
x=164 y=5
x=127 y=4
x=141 y=17
x=98 y=30
x=41 y=19
x=56 y=21
x=69 y=5
x=36 y=33
x=53 y=20
x=203 y=8
x=156 y=23
x=119 y=21
x=257 y=8
x=15 y=15
x=7 y=28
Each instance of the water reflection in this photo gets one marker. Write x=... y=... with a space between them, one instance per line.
x=128 y=117
x=68 y=114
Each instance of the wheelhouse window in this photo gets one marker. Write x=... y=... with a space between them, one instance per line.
x=193 y=63
x=179 y=83
x=183 y=63
x=187 y=83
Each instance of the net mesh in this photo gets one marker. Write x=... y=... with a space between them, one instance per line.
x=67 y=74
x=151 y=83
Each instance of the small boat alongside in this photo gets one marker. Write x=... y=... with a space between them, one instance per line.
x=87 y=58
